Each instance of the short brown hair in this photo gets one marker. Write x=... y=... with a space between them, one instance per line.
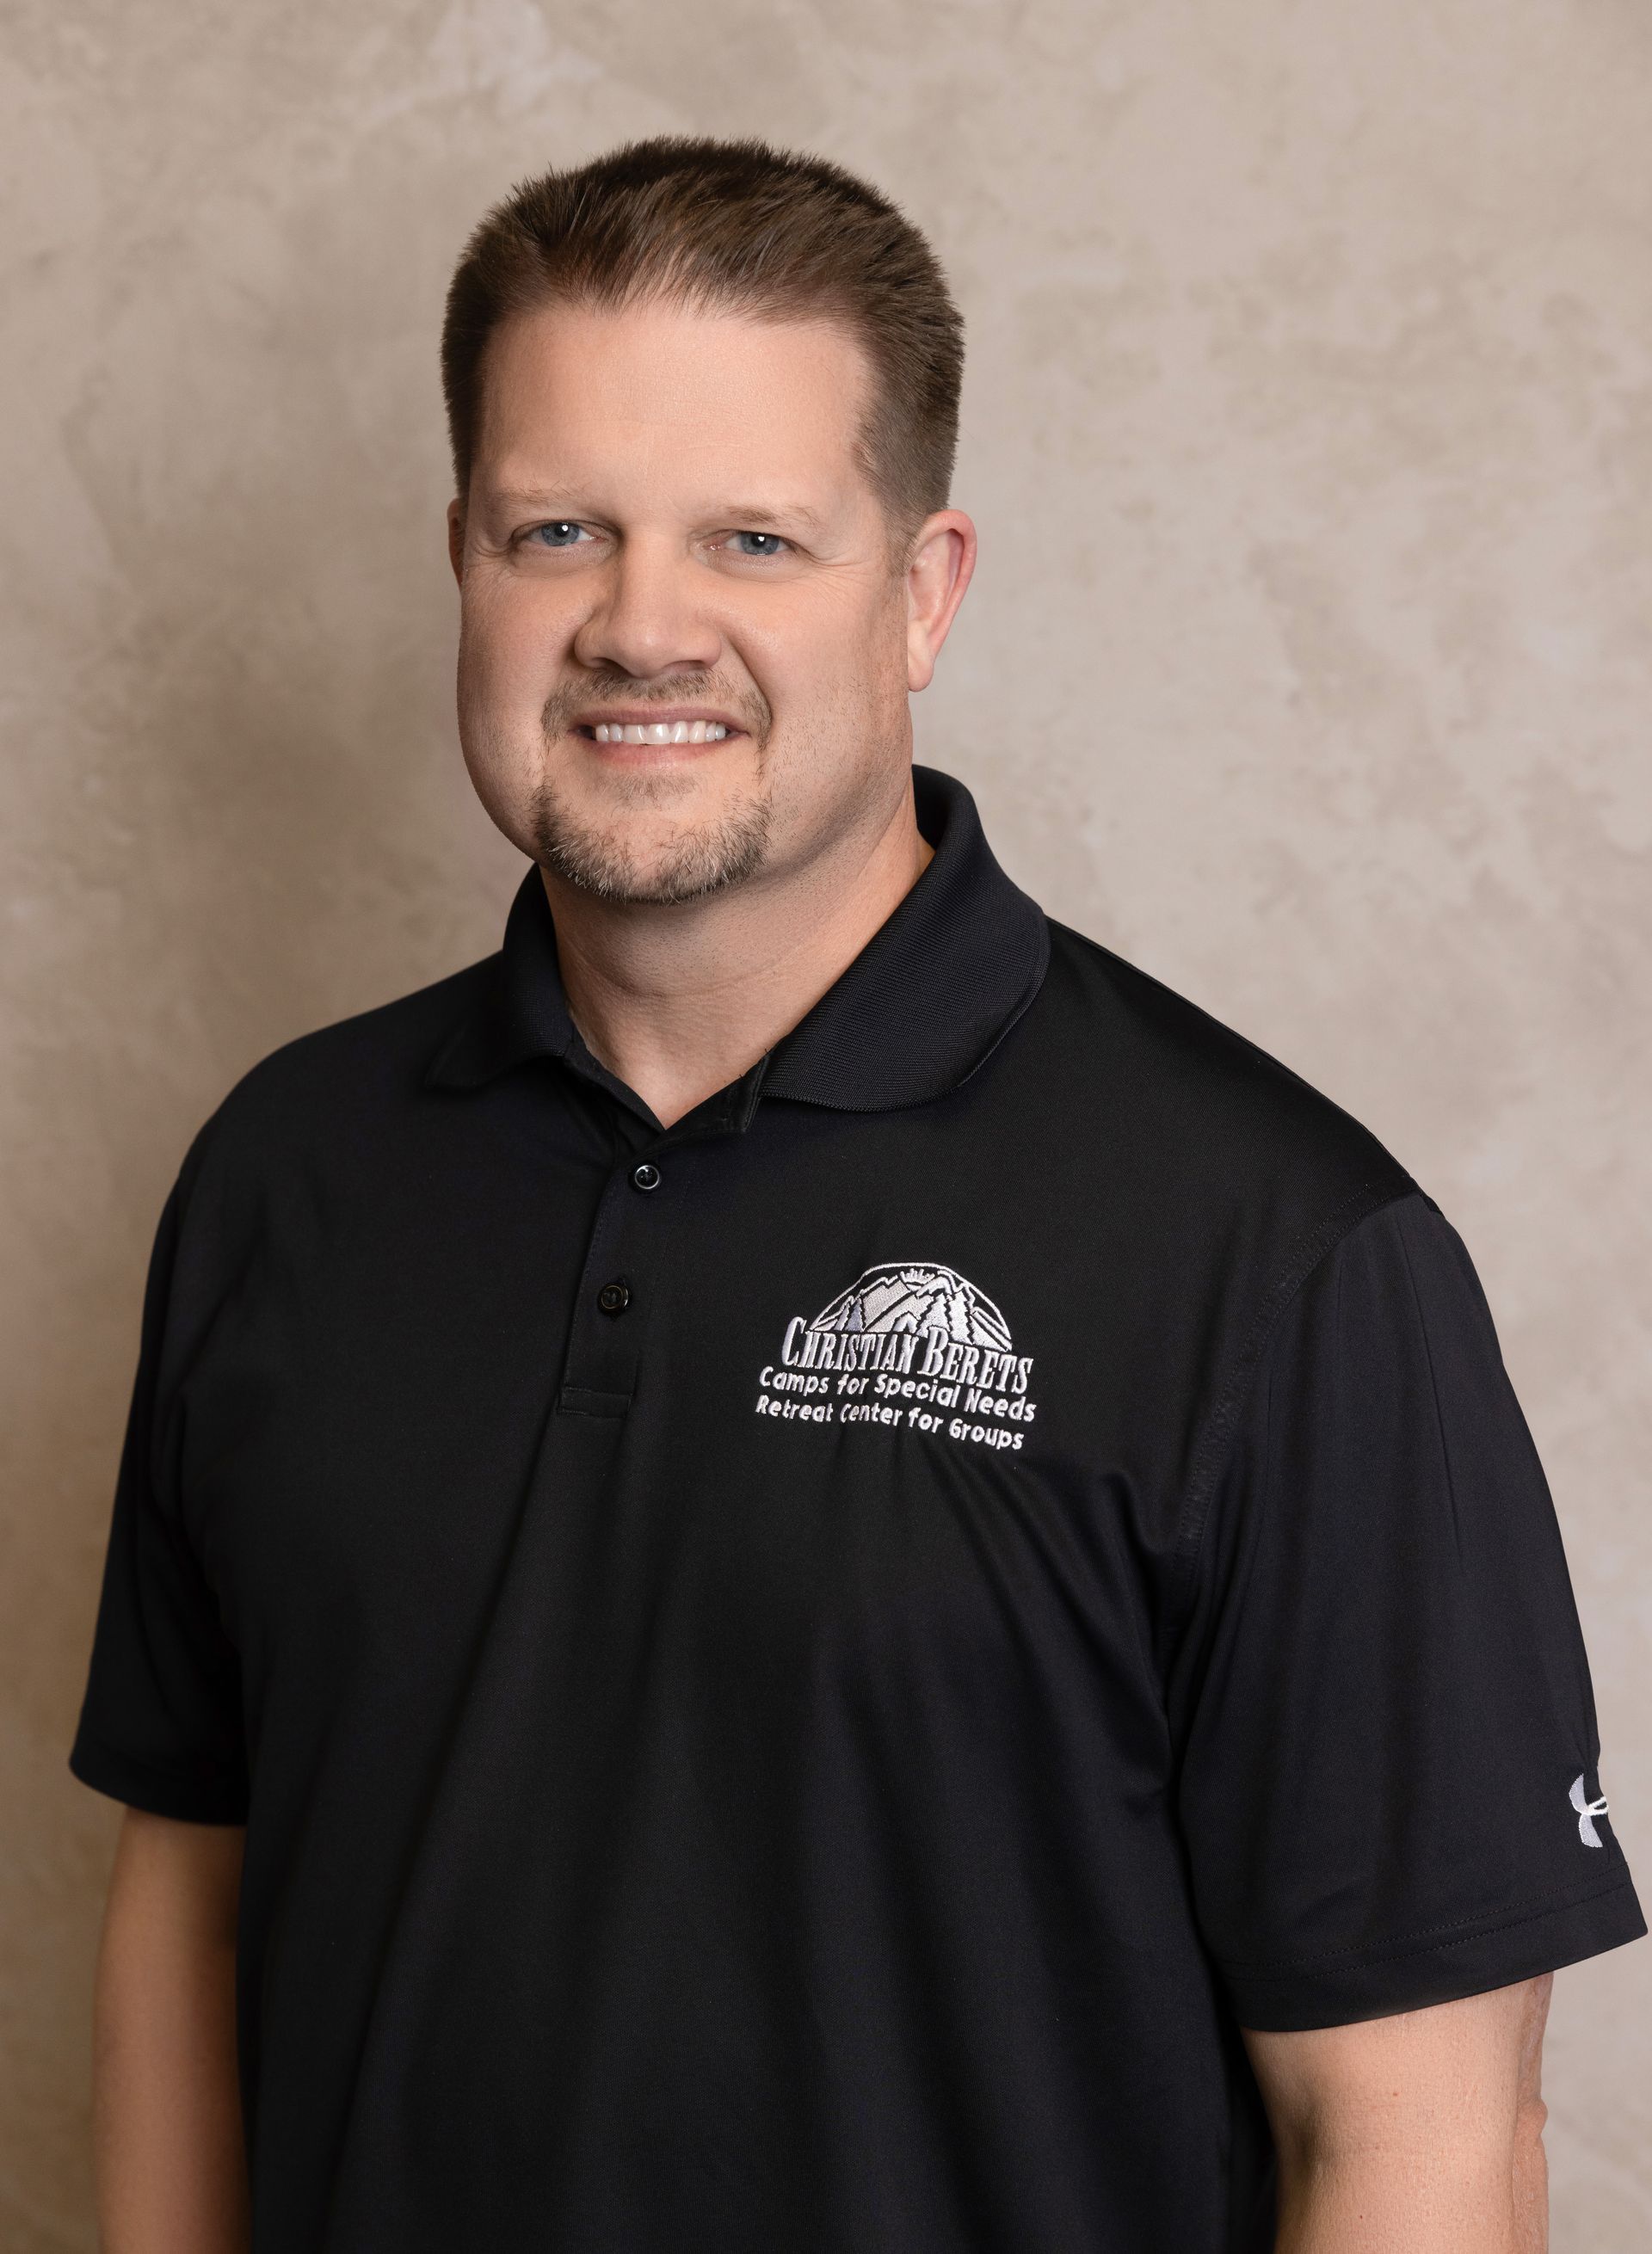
x=737 y=225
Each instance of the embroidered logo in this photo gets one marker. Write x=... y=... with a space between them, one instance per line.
x=1587 y=1810
x=908 y=1343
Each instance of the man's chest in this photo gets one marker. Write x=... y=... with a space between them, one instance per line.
x=865 y=1402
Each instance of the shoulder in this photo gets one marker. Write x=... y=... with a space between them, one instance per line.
x=340 y=1085
x=1197 y=1118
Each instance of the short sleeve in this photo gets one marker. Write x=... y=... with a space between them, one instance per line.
x=1389 y=1785
x=160 y=1724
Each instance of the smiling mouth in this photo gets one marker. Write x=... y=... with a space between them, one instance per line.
x=654 y=732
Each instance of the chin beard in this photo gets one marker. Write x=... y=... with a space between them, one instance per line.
x=698 y=863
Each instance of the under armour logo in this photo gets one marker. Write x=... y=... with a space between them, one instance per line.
x=1586 y=1810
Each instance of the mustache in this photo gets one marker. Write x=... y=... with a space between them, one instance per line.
x=755 y=713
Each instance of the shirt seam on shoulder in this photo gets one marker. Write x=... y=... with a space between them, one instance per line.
x=1465 y=1929
x=1370 y=1197
x=1433 y=1384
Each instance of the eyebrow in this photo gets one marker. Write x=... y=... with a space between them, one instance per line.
x=754 y=515
x=759 y=516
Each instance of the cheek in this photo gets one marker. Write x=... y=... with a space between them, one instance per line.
x=846 y=657
x=512 y=640
x=508 y=665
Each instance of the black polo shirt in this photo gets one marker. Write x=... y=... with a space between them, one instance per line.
x=793 y=1680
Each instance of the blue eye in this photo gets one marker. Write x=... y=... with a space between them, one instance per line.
x=763 y=543
x=560 y=535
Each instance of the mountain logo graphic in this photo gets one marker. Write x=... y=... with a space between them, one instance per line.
x=910 y=1318
x=917 y=1296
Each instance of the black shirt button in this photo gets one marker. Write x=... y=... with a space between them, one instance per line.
x=613 y=1298
x=645 y=1176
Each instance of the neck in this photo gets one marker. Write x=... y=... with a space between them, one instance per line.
x=679 y=1001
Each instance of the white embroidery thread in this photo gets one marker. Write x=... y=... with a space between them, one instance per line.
x=1586 y=1810
x=909 y=1342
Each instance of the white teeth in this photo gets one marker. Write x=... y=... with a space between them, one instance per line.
x=659 y=732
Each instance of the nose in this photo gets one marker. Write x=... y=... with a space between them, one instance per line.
x=645 y=619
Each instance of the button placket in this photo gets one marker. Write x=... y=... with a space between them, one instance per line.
x=625 y=1260
x=617 y=1290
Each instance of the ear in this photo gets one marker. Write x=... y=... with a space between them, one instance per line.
x=942 y=560
x=456 y=539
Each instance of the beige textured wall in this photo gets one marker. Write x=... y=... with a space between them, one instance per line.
x=1309 y=424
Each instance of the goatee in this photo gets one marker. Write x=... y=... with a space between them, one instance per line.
x=698 y=863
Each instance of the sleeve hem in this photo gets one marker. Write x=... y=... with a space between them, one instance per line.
x=159 y=1792
x=1340 y=1992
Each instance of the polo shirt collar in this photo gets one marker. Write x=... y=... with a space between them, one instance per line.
x=926 y=1001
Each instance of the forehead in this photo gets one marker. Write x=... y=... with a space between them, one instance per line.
x=659 y=390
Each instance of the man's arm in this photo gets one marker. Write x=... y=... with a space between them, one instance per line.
x=1417 y=2134
x=166 y=2104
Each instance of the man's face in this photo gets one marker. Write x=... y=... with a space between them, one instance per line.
x=668 y=533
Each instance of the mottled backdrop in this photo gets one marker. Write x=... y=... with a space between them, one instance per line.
x=1309 y=426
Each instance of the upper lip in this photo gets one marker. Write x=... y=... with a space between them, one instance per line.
x=648 y=715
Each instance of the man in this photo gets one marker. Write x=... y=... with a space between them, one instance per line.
x=856 y=1584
